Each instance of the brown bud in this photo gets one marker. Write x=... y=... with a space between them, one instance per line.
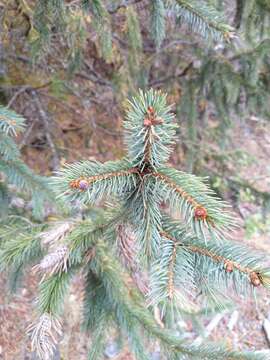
x=228 y=265
x=150 y=110
x=74 y=183
x=83 y=184
x=147 y=122
x=200 y=213
x=255 y=279
x=80 y=183
x=157 y=121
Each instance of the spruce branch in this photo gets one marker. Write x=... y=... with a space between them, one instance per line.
x=11 y=123
x=203 y=19
x=142 y=209
x=21 y=249
x=43 y=335
x=149 y=130
x=99 y=338
x=13 y=168
x=195 y=201
x=134 y=42
x=93 y=181
x=23 y=177
x=233 y=262
x=181 y=257
x=256 y=277
x=84 y=182
x=8 y=148
x=56 y=261
x=102 y=23
x=132 y=305
x=52 y=291
x=158 y=22
x=57 y=232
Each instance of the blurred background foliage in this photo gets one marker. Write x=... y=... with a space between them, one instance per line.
x=67 y=67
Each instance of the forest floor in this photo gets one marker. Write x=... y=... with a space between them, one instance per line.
x=240 y=327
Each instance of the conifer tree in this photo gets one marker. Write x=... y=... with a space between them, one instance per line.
x=162 y=242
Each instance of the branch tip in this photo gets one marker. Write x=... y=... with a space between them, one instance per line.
x=83 y=183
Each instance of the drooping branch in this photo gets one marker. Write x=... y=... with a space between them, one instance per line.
x=229 y=264
x=204 y=19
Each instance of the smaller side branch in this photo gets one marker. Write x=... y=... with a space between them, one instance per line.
x=200 y=211
x=83 y=183
x=229 y=265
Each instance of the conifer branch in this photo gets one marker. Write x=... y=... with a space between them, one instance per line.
x=229 y=256
x=102 y=23
x=90 y=181
x=128 y=249
x=228 y=264
x=84 y=182
x=52 y=292
x=195 y=201
x=179 y=191
x=131 y=304
x=158 y=22
x=149 y=130
x=23 y=177
x=56 y=261
x=11 y=123
x=21 y=249
x=203 y=18
x=8 y=148
x=182 y=257
x=43 y=335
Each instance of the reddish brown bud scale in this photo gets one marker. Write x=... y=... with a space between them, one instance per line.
x=81 y=184
x=74 y=184
x=255 y=279
x=150 y=110
x=228 y=265
x=200 y=213
x=157 y=121
x=151 y=119
x=147 y=122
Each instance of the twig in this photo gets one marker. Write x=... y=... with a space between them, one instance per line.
x=26 y=135
x=209 y=328
x=44 y=117
x=233 y=320
x=123 y=5
x=17 y=93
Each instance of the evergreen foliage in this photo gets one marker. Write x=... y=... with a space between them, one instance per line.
x=213 y=54
x=135 y=256
x=138 y=254
x=12 y=168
